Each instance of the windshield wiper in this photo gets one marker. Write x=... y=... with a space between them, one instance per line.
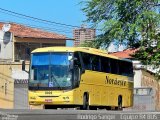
x=55 y=80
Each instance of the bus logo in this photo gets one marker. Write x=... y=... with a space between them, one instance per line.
x=115 y=81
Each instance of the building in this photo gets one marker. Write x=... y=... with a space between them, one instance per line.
x=143 y=75
x=83 y=34
x=20 y=40
x=125 y=53
x=16 y=43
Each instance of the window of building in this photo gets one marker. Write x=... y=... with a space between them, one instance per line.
x=7 y=37
x=27 y=53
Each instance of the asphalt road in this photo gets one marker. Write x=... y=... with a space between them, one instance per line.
x=76 y=115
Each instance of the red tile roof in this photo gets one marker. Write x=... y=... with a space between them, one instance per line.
x=28 y=32
x=125 y=54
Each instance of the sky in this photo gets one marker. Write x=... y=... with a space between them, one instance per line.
x=60 y=11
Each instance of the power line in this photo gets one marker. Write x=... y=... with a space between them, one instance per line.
x=39 y=27
x=59 y=29
x=39 y=19
x=35 y=18
x=66 y=27
x=46 y=28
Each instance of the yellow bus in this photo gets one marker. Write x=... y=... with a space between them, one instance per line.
x=86 y=78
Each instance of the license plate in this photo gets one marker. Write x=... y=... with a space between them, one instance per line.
x=48 y=100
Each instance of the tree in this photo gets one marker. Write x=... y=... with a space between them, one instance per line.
x=135 y=23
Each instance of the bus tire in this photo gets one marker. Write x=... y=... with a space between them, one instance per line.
x=85 y=105
x=120 y=103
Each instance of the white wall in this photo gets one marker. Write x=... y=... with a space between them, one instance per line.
x=6 y=47
x=19 y=74
x=137 y=73
x=137 y=78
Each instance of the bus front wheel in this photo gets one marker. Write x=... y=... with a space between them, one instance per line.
x=85 y=105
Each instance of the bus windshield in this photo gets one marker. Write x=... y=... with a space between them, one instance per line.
x=50 y=71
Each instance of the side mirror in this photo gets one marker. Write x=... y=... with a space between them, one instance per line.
x=23 y=66
x=83 y=70
x=77 y=76
x=71 y=66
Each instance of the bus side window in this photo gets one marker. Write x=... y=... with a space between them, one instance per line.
x=95 y=62
x=126 y=68
x=114 y=66
x=105 y=65
x=130 y=70
x=77 y=62
x=122 y=68
x=86 y=61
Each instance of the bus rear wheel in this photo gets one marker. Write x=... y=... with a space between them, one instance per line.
x=120 y=103
x=85 y=105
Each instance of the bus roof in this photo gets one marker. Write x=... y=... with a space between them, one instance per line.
x=80 y=49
